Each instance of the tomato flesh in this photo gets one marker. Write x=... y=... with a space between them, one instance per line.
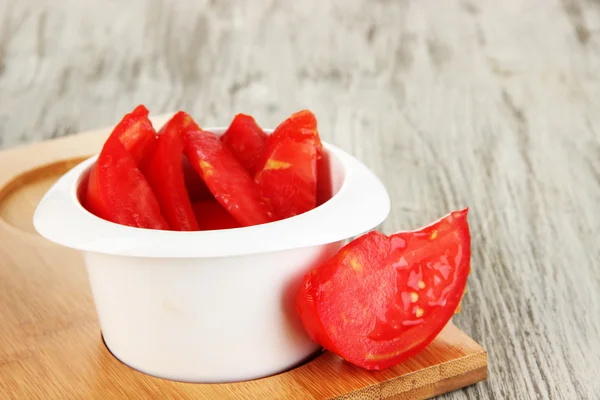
x=165 y=175
x=246 y=140
x=288 y=172
x=226 y=178
x=211 y=215
x=324 y=178
x=300 y=126
x=119 y=192
x=137 y=135
x=195 y=186
x=382 y=299
x=289 y=178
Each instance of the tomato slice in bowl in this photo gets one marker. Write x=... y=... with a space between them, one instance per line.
x=211 y=215
x=289 y=178
x=324 y=178
x=226 y=178
x=166 y=177
x=246 y=140
x=382 y=299
x=288 y=171
x=118 y=191
x=137 y=135
x=194 y=185
x=300 y=126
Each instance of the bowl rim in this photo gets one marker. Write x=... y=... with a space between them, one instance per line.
x=361 y=204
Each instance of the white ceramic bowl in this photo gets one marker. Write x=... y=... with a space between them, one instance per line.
x=211 y=306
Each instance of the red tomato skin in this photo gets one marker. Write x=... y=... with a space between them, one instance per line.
x=94 y=201
x=211 y=215
x=398 y=283
x=137 y=135
x=307 y=310
x=226 y=178
x=119 y=192
x=300 y=126
x=246 y=141
x=165 y=175
x=289 y=178
x=319 y=301
x=288 y=172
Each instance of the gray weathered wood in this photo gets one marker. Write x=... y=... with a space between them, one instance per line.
x=489 y=104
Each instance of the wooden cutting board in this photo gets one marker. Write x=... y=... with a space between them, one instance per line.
x=50 y=342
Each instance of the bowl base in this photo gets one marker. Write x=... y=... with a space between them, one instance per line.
x=308 y=359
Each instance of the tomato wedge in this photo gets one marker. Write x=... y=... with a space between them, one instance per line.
x=165 y=175
x=211 y=215
x=194 y=185
x=300 y=126
x=137 y=135
x=289 y=178
x=382 y=299
x=246 y=140
x=288 y=172
x=119 y=192
x=324 y=184
x=226 y=178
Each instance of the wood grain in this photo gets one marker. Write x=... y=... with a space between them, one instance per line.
x=50 y=340
x=487 y=104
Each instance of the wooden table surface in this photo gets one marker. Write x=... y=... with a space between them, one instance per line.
x=489 y=104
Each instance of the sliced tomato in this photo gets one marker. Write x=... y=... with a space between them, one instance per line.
x=307 y=309
x=289 y=177
x=288 y=171
x=226 y=178
x=383 y=299
x=246 y=140
x=165 y=175
x=300 y=126
x=195 y=186
x=324 y=178
x=119 y=192
x=137 y=135
x=211 y=215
